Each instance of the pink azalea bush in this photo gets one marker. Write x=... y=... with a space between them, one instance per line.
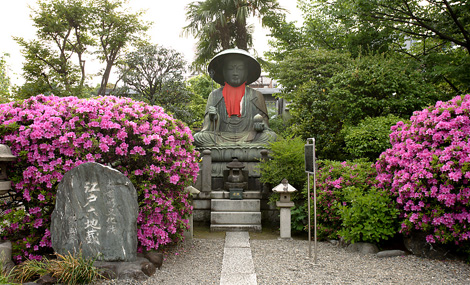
x=51 y=135
x=427 y=171
x=332 y=179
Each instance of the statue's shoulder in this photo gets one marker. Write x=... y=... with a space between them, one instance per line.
x=254 y=93
x=217 y=92
x=215 y=97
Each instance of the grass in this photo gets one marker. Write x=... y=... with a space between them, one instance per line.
x=68 y=269
x=6 y=277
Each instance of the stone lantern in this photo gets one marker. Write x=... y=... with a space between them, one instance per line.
x=5 y=156
x=188 y=234
x=5 y=185
x=236 y=179
x=285 y=189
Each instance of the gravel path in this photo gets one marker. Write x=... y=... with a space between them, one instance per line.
x=287 y=262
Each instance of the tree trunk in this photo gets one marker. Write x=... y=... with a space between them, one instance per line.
x=241 y=35
x=105 y=78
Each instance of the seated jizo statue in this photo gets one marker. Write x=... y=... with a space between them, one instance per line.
x=235 y=114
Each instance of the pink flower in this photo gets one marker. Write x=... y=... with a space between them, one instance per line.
x=57 y=134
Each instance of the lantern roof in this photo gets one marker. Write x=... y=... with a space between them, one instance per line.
x=284 y=187
x=235 y=164
x=5 y=153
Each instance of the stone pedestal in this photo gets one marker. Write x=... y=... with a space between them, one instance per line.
x=235 y=215
x=285 y=224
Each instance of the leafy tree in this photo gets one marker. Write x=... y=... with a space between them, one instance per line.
x=285 y=36
x=304 y=74
x=62 y=34
x=69 y=32
x=200 y=87
x=114 y=29
x=333 y=27
x=436 y=33
x=370 y=137
x=4 y=80
x=221 y=24
x=154 y=74
x=379 y=85
x=328 y=89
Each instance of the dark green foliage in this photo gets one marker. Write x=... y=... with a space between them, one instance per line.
x=367 y=216
x=433 y=34
x=304 y=74
x=287 y=161
x=280 y=126
x=154 y=74
x=332 y=25
x=299 y=216
x=370 y=137
x=329 y=89
x=379 y=85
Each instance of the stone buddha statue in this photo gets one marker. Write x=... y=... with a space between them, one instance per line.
x=235 y=115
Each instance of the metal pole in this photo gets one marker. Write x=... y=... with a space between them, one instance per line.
x=309 y=222
x=314 y=201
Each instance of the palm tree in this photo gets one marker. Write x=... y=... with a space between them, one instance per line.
x=221 y=24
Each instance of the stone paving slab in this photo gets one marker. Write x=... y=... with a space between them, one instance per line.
x=237 y=239
x=237 y=260
x=237 y=264
x=238 y=279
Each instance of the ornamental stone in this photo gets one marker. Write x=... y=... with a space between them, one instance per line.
x=96 y=213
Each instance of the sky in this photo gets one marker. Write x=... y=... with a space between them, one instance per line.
x=168 y=17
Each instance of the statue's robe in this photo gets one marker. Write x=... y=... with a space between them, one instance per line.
x=234 y=130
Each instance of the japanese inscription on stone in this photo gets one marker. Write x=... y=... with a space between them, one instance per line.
x=96 y=212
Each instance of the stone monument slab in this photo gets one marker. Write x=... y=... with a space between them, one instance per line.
x=96 y=212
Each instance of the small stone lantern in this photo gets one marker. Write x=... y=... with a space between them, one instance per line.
x=188 y=234
x=5 y=185
x=285 y=189
x=5 y=156
x=235 y=180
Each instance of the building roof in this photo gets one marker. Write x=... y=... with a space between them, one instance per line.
x=268 y=90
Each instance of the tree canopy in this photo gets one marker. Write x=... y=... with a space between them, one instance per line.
x=435 y=33
x=70 y=32
x=154 y=74
x=222 y=24
x=346 y=63
x=4 y=80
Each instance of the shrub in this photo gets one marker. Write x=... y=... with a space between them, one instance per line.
x=281 y=126
x=51 y=135
x=427 y=171
x=347 y=202
x=370 y=137
x=287 y=161
x=367 y=216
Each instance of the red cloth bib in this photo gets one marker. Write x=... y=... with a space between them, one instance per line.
x=233 y=96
